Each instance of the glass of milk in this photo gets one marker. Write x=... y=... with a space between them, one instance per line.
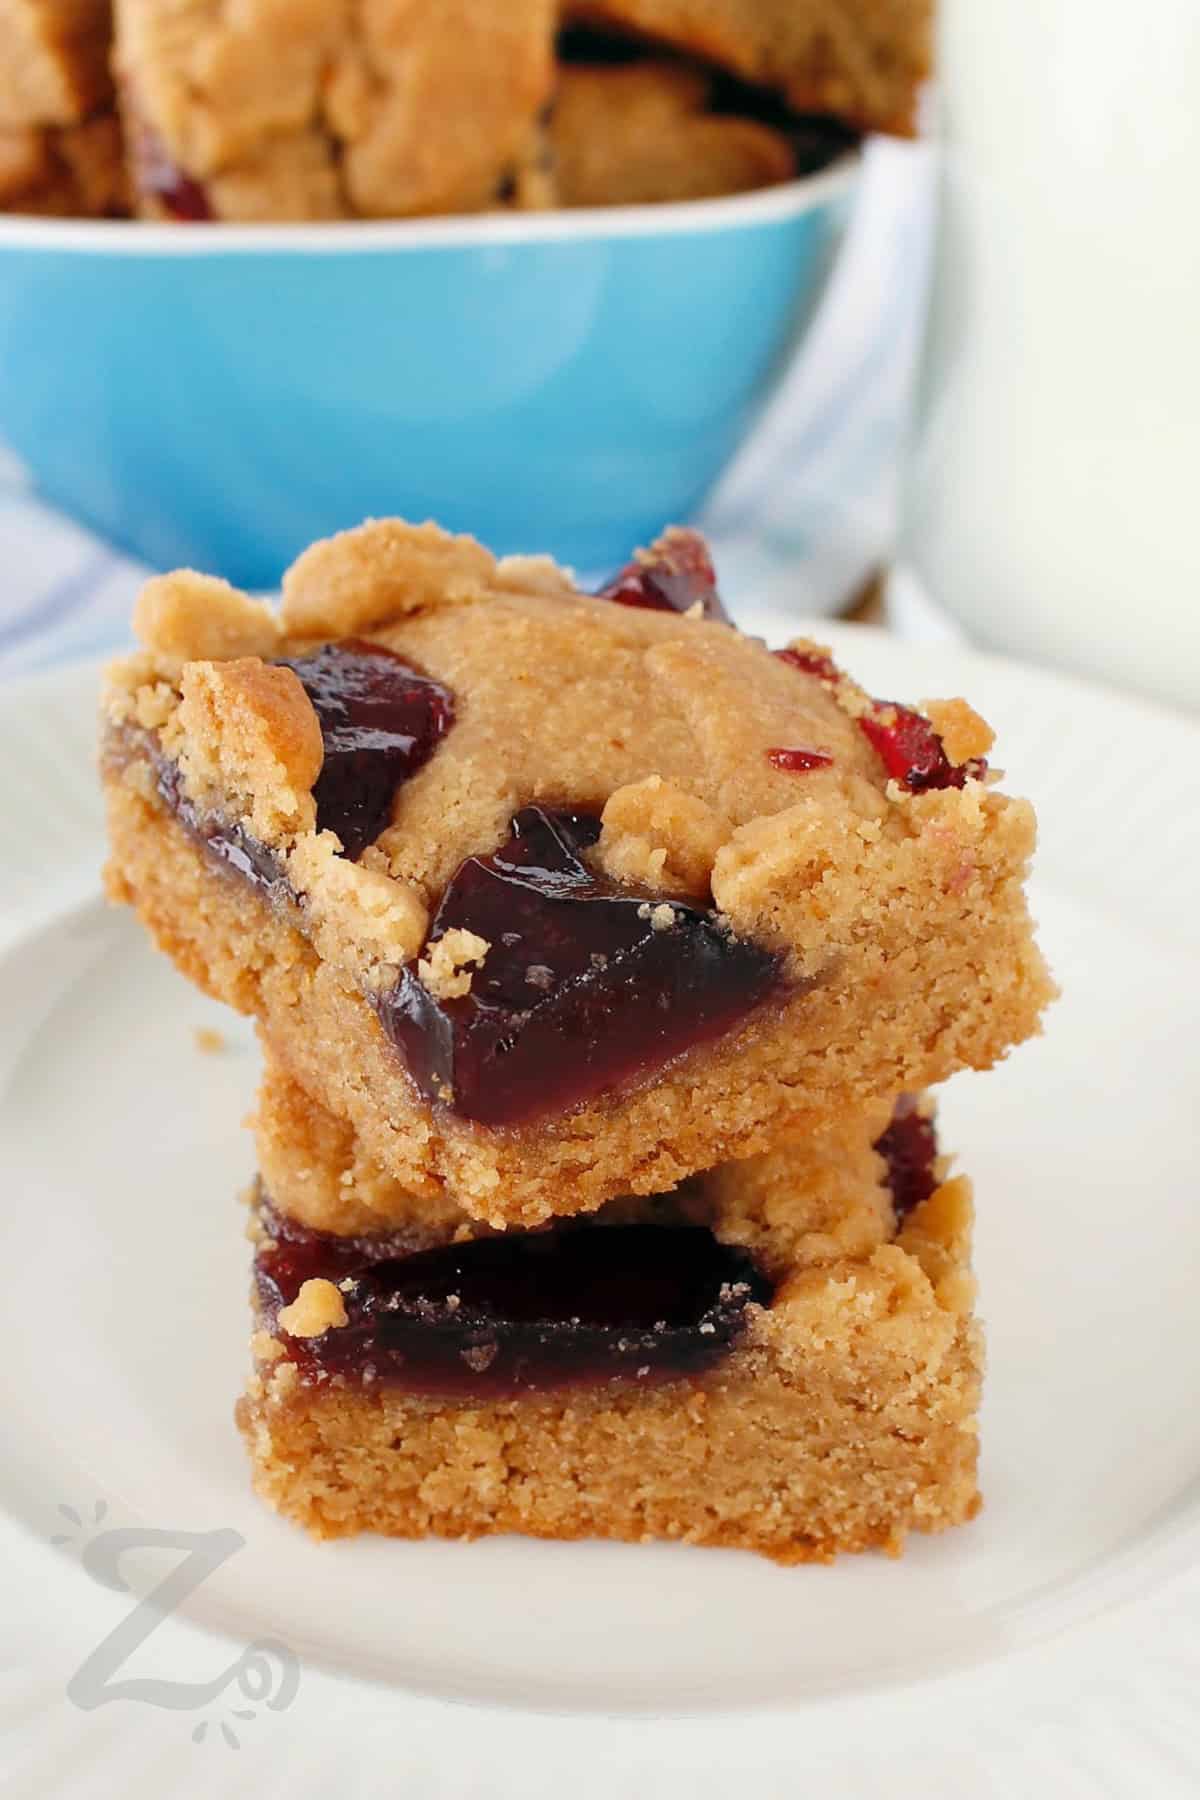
x=1053 y=499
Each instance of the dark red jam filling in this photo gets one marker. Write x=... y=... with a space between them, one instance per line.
x=798 y=761
x=586 y=984
x=180 y=195
x=906 y=743
x=230 y=844
x=912 y=752
x=572 y=1305
x=673 y=576
x=810 y=662
x=185 y=199
x=909 y=1147
x=380 y=722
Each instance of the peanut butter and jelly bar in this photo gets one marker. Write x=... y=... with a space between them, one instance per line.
x=559 y=896
x=779 y=1356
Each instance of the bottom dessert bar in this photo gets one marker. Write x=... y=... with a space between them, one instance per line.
x=780 y=1356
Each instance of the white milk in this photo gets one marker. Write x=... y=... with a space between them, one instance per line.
x=1054 y=497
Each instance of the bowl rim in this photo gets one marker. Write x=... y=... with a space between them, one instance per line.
x=133 y=237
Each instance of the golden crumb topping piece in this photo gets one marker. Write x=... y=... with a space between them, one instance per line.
x=359 y=916
x=533 y=575
x=446 y=970
x=386 y=569
x=656 y=834
x=963 y=733
x=247 y=730
x=197 y=616
x=264 y=1348
x=317 y=1307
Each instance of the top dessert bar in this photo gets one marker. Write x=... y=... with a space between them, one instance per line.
x=296 y=109
x=862 y=60
x=558 y=896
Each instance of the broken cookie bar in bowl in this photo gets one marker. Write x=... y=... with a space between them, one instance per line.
x=779 y=1356
x=558 y=896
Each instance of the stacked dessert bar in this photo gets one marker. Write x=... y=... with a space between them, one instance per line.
x=602 y=960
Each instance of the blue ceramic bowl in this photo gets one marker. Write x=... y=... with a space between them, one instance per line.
x=219 y=396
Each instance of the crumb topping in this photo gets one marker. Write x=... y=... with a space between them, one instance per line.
x=533 y=575
x=383 y=570
x=656 y=834
x=965 y=736
x=359 y=916
x=445 y=969
x=245 y=731
x=317 y=1307
x=154 y=704
x=660 y=917
x=196 y=617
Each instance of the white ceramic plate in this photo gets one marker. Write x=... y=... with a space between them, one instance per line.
x=120 y=1160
